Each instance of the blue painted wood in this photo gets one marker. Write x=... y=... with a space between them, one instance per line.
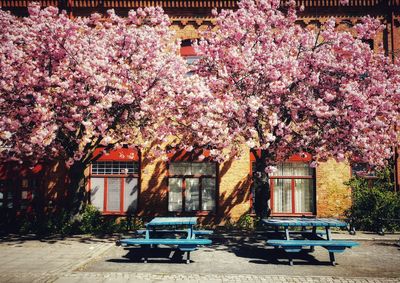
x=322 y=243
x=203 y=232
x=155 y=241
x=168 y=221
x=303 y=222
x=143 y=231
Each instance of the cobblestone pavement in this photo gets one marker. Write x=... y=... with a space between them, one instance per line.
x=229 y=259
x=124 y=277
x=29 y=260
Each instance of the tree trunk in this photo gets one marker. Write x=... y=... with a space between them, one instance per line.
x=77 y=195
x=261 y=186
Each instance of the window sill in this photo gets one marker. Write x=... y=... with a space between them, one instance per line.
x=192 y=213
x=117 y=213
x=309 y=214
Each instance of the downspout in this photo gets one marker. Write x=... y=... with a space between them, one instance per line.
x=395 y=149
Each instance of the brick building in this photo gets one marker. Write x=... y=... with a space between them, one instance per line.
x=185 y=186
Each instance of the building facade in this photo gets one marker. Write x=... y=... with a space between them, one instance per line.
x=127 y=182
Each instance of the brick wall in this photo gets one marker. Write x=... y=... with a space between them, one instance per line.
x=333 y=197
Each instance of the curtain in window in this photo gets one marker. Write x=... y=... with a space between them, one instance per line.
x=192 y=197
x=113 y=194
x=130 y=194
x=97 y=192
x=175 y=194
x=208 y=193
x=282 y=195
x=304 y=195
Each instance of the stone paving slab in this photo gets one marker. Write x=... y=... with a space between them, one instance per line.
x=121 y=277
x=31 y=260
x=252 y=256
x=230 y=259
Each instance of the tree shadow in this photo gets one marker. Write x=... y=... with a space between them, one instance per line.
x=15 y=239
x=154 y=255
x=256 y=251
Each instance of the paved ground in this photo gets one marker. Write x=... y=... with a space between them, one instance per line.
x=230 y=259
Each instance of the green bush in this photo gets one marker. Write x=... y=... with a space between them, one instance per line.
x=91 y=220
x=59 y=222
x=246 y=222
x=374 y=200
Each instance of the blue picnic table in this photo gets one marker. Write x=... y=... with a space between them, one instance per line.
x=167 y=226
x=311 y=238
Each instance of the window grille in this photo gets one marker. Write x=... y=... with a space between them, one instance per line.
x=114 y=168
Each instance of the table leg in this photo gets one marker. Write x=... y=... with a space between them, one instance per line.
x=332 y=258
x=187 y=257
x=290 y=259
x=287 y=233
x=313 y=236
x=328 y=238
x=328 y=233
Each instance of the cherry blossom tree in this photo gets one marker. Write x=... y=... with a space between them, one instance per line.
x=69 y=86
x=284 y=89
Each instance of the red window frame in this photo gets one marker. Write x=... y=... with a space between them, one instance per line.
x=119 y=155
x=299 y=158
x=293 y=194
x=193 y=157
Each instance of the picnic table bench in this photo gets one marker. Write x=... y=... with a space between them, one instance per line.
x=186 y=244
x=312 y=239
x=177 y=231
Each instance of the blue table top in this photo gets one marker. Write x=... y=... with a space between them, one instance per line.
x=166 y=221
x=303 y=222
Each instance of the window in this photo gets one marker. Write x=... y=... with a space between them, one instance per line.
x=18 y=193
x=114 y=186
x=192 y=186
x=292 y=189
x=362 y=170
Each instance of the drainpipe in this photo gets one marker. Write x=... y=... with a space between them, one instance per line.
x=392 y=27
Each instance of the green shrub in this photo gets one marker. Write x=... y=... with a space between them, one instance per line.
x=374 y=200
x=91 y=220
x=246 y=222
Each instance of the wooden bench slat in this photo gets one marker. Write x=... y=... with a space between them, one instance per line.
x=196 y=232
x=181 y=242
x=323 y=243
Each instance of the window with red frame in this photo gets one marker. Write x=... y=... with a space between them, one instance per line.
x=292 y=189
x=192 y=186
x=114 y=186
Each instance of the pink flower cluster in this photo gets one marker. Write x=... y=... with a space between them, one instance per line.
x=68 y=86
x=288 y=89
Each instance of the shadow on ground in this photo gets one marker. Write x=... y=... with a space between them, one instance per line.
x=87 y=239
x=253 y=250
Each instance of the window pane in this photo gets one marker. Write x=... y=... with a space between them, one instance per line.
x=192 y=196
x=180 y=168
x=131 y=189
x=208 y=193
x=113 y=195
x=115 y=167
x=301 y=169
x=97 y=192
x=282 y=195
x=175 y=194
x=206 y=168
x=304 y=195
x=293 y=169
